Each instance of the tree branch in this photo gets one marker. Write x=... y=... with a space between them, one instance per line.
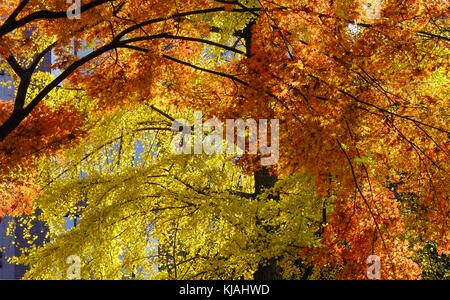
x=177 y=16
x=11 y=24
x=183 y=38
x=40 y=56
x=205 y=70
x=15 y=65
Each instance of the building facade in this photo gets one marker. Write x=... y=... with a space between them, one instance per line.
x=12 y=240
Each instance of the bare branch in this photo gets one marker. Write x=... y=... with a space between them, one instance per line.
x=205 y=70
x=40 y=56
x=11 y=24
x=15 y=65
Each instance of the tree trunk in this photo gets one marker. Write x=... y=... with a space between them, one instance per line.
x=267 y=270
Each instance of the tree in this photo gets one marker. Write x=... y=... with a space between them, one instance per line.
x=32 y=29
x=141 y=207
x=352 y=93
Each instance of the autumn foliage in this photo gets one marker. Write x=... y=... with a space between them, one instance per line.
x=362 y=103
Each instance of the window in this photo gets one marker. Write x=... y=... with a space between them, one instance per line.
x=70 y=222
